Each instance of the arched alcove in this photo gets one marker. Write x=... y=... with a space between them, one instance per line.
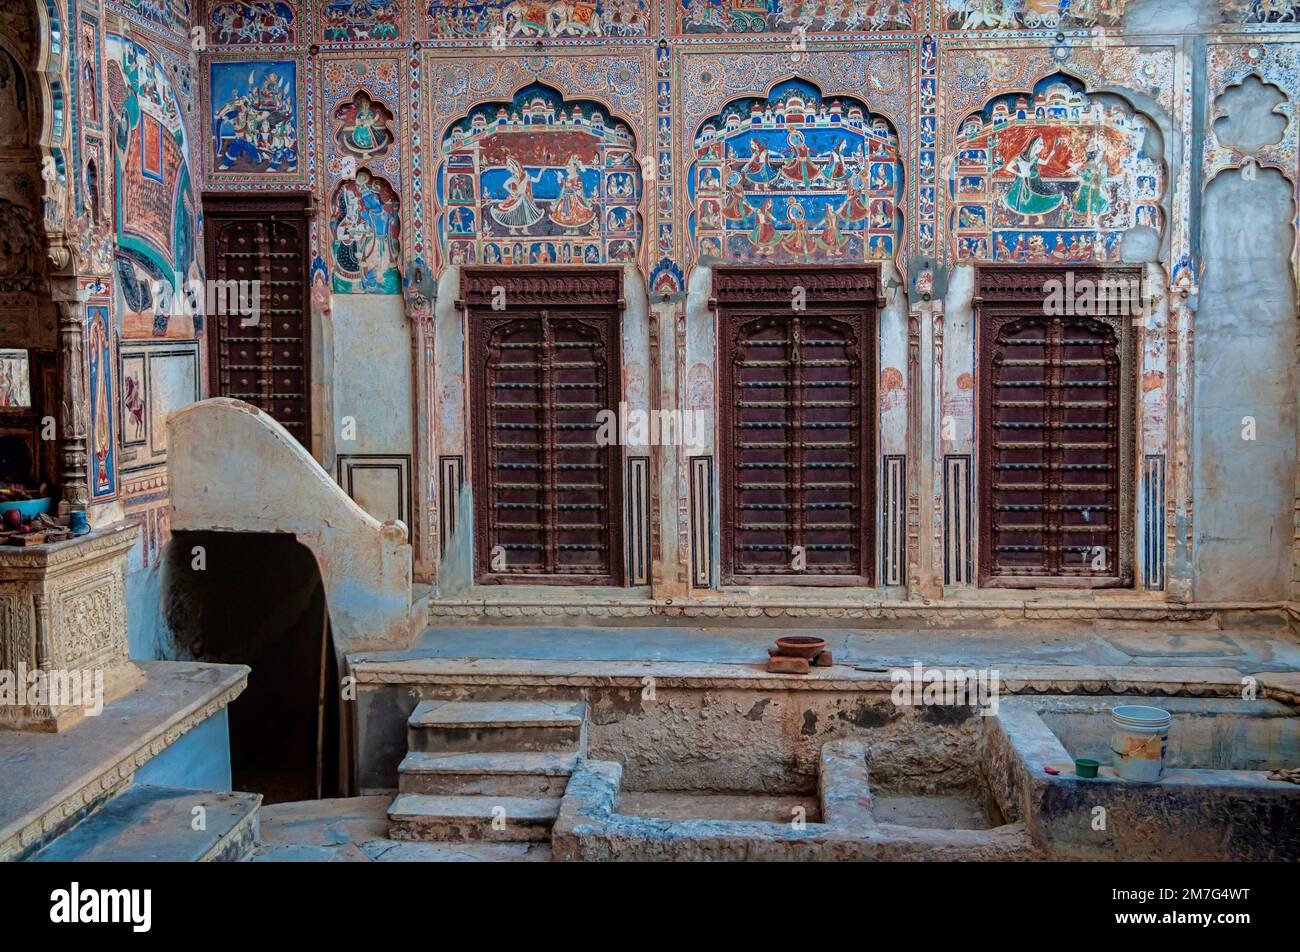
x=795 y=177
x=539 y=180
x=1054 y=174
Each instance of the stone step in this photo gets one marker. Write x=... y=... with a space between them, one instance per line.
x=156 y=824
x=496 y=726
x=418 y=816
x=537 y=774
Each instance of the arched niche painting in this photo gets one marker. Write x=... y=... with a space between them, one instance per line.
x=363 y=127
x=88 y=76
x=14 y=117
x=20 y=243
x=539 y=180
x=365 y=229
x=795 y=177
x=1052 y=175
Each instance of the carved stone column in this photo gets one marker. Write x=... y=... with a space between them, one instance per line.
x=72 y=400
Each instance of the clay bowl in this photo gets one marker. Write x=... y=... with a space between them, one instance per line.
x=801 y=646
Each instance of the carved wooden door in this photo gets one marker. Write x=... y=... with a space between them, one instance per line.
x=261 y=358
x=1055 y=411
x=543 y=365
x=797 y=424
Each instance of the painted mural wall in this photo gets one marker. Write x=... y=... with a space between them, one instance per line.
x=117 y=191
x=927 y=136
x=27 y=321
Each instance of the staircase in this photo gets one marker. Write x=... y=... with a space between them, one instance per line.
x=147 y=823
x=486 y=770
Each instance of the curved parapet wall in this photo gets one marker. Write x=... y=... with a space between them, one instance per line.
x=232 y=468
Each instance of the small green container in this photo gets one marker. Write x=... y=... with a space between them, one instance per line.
x=1084 y=767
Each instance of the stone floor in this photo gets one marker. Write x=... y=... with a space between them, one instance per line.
x=1247 y=651
x=355 y=830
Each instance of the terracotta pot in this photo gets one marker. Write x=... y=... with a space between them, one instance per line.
x=801 y=646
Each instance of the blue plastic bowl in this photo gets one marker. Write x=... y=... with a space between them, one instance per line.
x=29 y=507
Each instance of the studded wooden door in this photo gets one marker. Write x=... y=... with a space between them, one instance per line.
x=260 y=358
x=797 y=424
x=547 y=486
x=1054 y=412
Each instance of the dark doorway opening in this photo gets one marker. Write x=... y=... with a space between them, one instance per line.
x=258 y=599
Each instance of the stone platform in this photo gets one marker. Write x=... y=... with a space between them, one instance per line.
x=1098 y=645
x=66 y=775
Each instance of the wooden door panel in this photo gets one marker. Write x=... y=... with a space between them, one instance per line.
x=263 y=361
x=796 y=425
x=1054 y=405
x=548 y=505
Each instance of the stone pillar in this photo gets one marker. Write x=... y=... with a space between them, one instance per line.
x=926 y=359
x=669 y=574
x=75 y=489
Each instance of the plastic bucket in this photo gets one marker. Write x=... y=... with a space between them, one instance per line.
x=1139 y=738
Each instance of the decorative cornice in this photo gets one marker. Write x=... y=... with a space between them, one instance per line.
x=1022 y=284
x=541 y=287
x=820 y=285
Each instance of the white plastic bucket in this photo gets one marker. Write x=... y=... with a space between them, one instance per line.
x=1138 y=740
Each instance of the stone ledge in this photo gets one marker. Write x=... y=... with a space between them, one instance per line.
x=1015 y=679
x=151 y=824
x=994 y=611
x=48 y=561
x=1281 y=686
x=84 y=766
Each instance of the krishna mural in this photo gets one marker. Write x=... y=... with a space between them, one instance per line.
x=793 y=177
x=540 y=181
x=1052 y=176
x=366 y=230
x=363 y=127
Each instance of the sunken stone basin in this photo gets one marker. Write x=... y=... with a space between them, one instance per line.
x=598 y=821
x=1215 y=801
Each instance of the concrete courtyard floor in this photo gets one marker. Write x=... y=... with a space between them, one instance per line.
x=1247 y=651
x=355 y=829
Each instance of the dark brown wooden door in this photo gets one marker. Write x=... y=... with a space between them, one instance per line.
x=547 y=485
x=1053 y=411
x=262 y=359
x=796 y=426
